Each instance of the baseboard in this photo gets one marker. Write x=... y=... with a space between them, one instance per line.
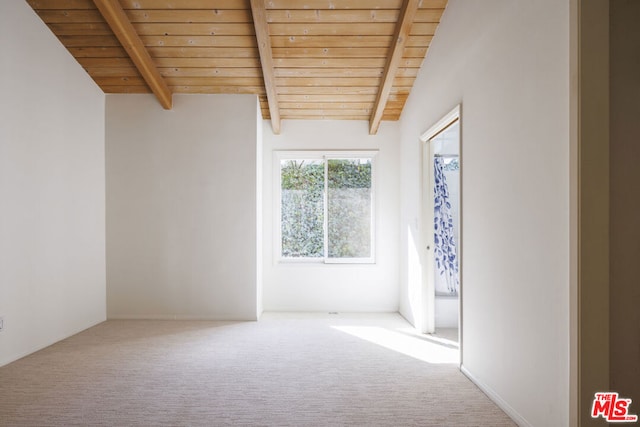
x=217 y=318
x=512 y=413
x=48 y=343
x=407 y=319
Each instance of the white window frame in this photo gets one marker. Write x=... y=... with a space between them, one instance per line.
x=277 y=198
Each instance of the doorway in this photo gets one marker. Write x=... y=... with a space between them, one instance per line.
x=442 y=287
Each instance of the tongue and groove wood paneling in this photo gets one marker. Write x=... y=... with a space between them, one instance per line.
x=329 y=56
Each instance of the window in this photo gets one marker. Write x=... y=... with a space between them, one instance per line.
x=325 y=206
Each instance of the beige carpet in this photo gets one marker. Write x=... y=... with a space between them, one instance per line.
x=302 y=370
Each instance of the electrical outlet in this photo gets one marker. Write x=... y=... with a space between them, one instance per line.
x=1 y=323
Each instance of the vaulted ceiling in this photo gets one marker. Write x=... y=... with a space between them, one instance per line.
x=305 y=59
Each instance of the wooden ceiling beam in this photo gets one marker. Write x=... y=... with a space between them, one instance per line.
x=401 y=34
x=266 y=60
x=117 y=19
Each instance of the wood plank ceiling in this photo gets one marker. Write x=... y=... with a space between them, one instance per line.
x=305 y=59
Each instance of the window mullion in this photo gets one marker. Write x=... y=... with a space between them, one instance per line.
x=325 y=212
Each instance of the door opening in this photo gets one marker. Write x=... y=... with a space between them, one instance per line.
x=442 y=213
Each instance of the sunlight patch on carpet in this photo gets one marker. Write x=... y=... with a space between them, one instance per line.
x=422 y=349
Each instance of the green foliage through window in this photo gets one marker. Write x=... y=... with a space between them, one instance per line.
x=302 y=208
x=349 y=208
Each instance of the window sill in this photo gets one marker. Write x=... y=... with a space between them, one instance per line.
x=321 y=261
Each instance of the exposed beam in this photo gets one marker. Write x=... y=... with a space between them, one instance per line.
x=266 y=59
x=403 y=28
x=128 y=37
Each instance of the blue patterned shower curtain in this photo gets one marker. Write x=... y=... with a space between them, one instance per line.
x=446 y=258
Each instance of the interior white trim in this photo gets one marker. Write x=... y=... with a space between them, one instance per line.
x=221 y=317
x=502 y=404
x=441 y=124
x=48 y=343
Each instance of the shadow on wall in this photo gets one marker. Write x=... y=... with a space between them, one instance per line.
x=414 y=276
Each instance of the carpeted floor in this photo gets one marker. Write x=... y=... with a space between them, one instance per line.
x=285 y=370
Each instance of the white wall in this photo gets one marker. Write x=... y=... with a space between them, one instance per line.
x=507 y=63
x=331 y=287
x=181 y=207
x=52 y=259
